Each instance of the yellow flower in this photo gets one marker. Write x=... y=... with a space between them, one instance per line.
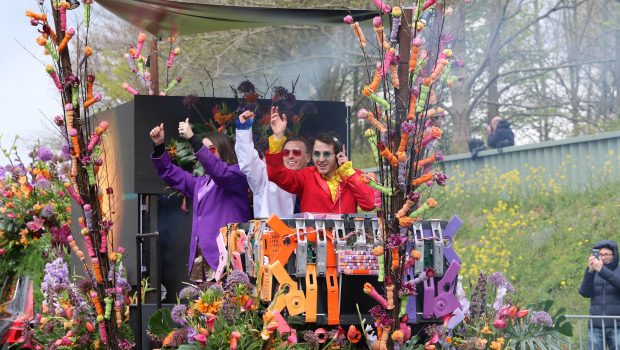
x=495 y=345
x=486 y=330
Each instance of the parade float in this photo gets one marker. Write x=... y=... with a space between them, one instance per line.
x=384 y=280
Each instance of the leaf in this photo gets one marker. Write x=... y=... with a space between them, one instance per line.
x=160 y=323
x=194 y=346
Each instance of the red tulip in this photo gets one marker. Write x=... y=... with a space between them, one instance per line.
x=522 y=313
x=512 y=312
x=353 y=335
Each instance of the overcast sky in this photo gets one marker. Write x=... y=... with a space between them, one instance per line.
x=27 y=90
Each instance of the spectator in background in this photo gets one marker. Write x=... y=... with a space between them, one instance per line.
x=500 y=133
x=601 y=283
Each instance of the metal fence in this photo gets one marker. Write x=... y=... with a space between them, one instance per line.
x=578 y=162
x=584 y=160
x=583 y=327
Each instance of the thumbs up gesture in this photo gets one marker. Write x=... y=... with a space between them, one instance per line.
x=157 y=134
x=185 y=130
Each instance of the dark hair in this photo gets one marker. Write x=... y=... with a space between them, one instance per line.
x=330 y=138
x=300 y=139
x=224 y=146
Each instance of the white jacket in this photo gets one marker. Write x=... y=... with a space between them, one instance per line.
x=268 y=197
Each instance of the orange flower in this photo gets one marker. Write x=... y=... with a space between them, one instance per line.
x=223 y=119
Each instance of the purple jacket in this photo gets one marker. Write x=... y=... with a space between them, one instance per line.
x=219 y=198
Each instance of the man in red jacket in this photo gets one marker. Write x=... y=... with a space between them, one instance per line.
x=330 y=186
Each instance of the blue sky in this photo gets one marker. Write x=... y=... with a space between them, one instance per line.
x=26 y=89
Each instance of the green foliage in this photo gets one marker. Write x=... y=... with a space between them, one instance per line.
x=160 y=323
x=532 y=227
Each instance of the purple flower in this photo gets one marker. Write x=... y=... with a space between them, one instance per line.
x=45 y=154
x=542 y=318
x=440 y=179
x=235 y=279
x=395 y=241
x=407 y=127
x=189 y=293
x=499 y=280
x=42 y=183
x=178 y=314
x=64 y=152
x=56 y=277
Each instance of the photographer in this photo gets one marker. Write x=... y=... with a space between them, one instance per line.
x=601 y=283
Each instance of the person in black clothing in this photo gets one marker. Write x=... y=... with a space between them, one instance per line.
x=500 y=133
x=601 y=283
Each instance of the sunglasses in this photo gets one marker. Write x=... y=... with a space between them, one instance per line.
x=326 y=155
x=213 y=149
x=295 y=151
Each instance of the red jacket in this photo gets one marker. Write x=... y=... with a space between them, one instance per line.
x=313 y=191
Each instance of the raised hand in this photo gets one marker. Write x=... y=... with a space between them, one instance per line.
x=278 y=125
x=243 y=117
x=157 y=134
x=342 y=156
x=185 y=130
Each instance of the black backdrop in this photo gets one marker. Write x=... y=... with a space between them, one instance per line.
x=149 y=111
x=132 y=176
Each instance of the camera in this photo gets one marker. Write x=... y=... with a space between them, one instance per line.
x=596 y=253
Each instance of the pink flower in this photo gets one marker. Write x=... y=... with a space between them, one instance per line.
x=201 y=339
x=499 y=323
x=36 y=224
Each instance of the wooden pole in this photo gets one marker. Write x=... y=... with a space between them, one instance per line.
x=154 y=66
x=404 y=45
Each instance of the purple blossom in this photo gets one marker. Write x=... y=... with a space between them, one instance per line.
x=438 y=156
x=499 y=280
x=228 y=312
x=395 y=241
x=189 y=293
x=413 y=196
x=56 y=277
x=42 y=183
x=312 y=339
x=44 y=154
x=407 y=127
x=380 y=316
x=47 y=211
x=236 y=279
x=178 y=314
x=440 y=178
x=542 y=318
x=407 y=289
x=64 y=153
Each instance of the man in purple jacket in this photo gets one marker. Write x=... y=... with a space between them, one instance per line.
x=220 y=197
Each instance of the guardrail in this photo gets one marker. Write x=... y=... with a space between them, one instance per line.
x=583 y=329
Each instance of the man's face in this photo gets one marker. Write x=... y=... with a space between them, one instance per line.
x=295 y=156
x=324 y=158
x=607 y=255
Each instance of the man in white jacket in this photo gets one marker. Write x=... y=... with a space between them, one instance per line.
x=268 y=197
